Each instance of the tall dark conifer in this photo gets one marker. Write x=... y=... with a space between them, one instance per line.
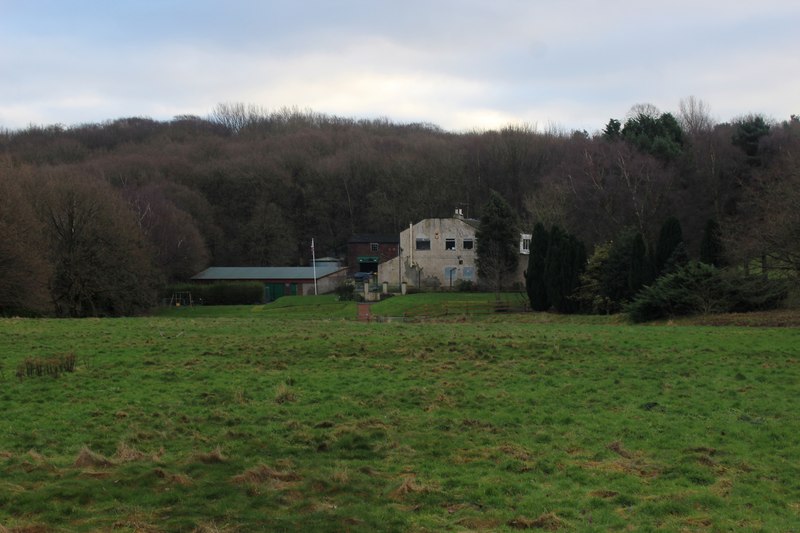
x=669 y=238
x=535 y=275
x=498 y=240
x=566 y=260
x=711 y=250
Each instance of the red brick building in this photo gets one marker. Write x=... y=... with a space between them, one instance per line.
x=366 y=250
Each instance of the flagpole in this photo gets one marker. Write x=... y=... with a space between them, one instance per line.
x=314 y=262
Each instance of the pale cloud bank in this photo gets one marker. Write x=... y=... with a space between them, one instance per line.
x=459 y=64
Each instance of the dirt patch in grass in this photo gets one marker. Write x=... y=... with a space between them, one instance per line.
x=88 y=459
x=547 y=521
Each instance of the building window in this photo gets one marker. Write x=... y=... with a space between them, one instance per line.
x=373 y=247
x=468 y=244
x=423 y=244
x=449 y=244
x=524 y=243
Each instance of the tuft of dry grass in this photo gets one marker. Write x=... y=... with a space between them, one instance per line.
x=139 y=521
x=88 y=458
x=409 y=485
x=262 y=473
x=547 y=521
x=617 y=448
x=126 y=454
x=213 y=527
x=284 y=394
x=603 y=493
x=177 y=479
x=214 y=456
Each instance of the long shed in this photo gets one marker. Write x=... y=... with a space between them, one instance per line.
x=279 y=281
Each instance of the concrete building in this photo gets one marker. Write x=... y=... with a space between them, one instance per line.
x=435 y=252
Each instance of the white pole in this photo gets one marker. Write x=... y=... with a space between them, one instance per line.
x=314 y=262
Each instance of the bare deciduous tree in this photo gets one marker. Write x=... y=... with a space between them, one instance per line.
x=694 y=116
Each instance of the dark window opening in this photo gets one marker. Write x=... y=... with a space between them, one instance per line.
x=423 y=244
x=468 y=243
x=449 y=244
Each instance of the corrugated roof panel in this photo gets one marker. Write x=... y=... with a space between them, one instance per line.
x=258 y=273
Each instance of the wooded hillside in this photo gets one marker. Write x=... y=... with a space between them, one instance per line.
x=95 y=217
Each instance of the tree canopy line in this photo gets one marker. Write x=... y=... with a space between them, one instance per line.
x=96 y=217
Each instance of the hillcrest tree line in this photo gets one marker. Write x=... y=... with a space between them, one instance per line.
x=97 y=218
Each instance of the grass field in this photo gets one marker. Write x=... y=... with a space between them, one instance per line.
x=289 y=417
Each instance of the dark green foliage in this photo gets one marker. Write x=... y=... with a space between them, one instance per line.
x=756 y=293
x=701 y=288
x=465 y=285
x=695 y=288
x=591 y=295
x=620 y=275
x=668 y=239
x=497 y=246
x=221 y=293
x=345 y=291
x=679 y=258
x=535 y=274
x=661 y=137
x=712 y=251
x=566 y=260
x=613 y=130
x=747 y=136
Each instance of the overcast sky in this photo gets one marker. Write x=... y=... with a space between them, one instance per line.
x=460 y=64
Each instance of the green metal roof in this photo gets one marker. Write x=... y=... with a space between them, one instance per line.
x=265 y=273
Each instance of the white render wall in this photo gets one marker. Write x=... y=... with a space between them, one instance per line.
x=437 y=267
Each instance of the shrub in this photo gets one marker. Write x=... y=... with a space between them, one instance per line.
x=464 y=285
x=222 y=293
x=345 y=291
x=701 y=288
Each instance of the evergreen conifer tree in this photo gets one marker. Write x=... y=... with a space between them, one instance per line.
x=711 y=248
x=498 y=240
x=535 y=275
x=668 y=239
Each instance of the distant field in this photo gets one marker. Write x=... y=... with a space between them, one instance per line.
x=291 y=417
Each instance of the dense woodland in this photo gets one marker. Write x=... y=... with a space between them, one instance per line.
x=95 y=218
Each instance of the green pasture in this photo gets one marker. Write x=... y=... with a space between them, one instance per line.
x=293 y=416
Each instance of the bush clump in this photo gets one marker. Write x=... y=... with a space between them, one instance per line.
x=699 y=288
x=222 y=293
